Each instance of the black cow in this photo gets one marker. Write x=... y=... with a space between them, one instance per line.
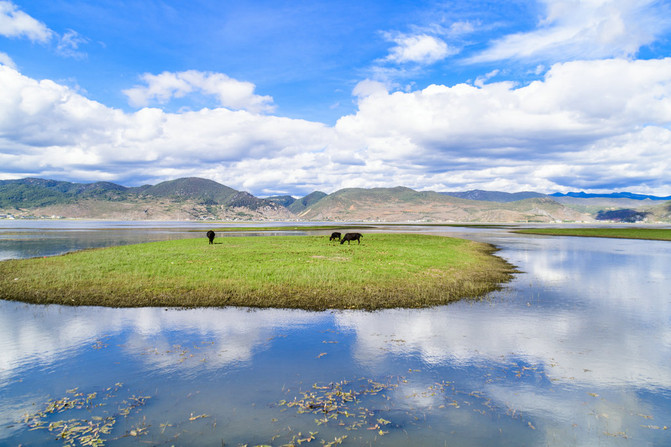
x=210 y=236
x=335 y=236
x=351 y=237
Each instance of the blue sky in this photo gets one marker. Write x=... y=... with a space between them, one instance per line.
x=289 y=97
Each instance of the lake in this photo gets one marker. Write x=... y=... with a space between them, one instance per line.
x=575 y=351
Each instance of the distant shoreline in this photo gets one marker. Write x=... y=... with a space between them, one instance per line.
x=653 y=234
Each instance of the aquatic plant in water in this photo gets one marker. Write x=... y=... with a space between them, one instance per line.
x=364 y=410
x=75 y=429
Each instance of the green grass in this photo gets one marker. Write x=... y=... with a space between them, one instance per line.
x=621 y=233
x=308 y=272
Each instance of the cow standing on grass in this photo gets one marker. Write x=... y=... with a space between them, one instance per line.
x=210 y=236
x=335 y=236
x=351 y=237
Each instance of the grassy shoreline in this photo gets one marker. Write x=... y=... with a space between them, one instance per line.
x=654 y=234
x=306 y=272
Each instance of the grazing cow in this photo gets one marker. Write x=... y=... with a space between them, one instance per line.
x=334 y=236
x=210 y=236
x=351 y=237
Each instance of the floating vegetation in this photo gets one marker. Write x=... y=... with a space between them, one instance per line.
x=102 y=410
x=179 y=353
x=340 y=404
x=364 y=410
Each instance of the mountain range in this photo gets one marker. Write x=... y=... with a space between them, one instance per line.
x=201 y=199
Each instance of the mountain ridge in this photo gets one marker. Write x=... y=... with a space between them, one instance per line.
x=614 y=195
x=202 y=199
x=494 y=196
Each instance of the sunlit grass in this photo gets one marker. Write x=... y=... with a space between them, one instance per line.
x=621 y=233
x=309 y=272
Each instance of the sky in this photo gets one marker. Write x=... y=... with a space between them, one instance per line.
x=289 y=97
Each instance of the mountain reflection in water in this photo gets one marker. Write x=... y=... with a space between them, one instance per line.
x=574 y=351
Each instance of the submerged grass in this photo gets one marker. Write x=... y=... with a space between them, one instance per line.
x=657 y=234
x=308 y=272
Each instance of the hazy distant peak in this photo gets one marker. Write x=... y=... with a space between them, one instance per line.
x=494 y=196
x=613 y=195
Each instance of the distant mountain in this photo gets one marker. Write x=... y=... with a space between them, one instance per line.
x=202 y=190
x=298 y=205
x=185 y=198
x=614 y=195
x=36 y=192
x=401 y=204
x=282 y=200
x=201 y=199
x=494 y=196
x=623 y=215
x=301 y=204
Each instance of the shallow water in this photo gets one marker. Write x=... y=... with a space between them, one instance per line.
x=575 y=351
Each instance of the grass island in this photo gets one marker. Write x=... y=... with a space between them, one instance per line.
x=306 y=272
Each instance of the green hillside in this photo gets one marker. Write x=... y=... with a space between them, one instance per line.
x=185 y=198
x=401 y=204
x=35 y=192
x=300 y=205
x=494 y=196
x=285 y=201
x=201 y=190
x=198 y=198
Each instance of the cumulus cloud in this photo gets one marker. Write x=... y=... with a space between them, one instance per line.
x=6 y=60
x=48 y=127
x=421 y=49
x=585 y=120
x=581 y=111
x=584 y=29
x=575 y=102
x=230 y=93
x=368 y=87
x=16 y=23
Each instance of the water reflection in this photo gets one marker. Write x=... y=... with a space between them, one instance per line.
x=43 y=335
x=20 y=244
x=574 y=351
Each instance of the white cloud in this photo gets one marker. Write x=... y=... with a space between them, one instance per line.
x=48 y=127
x=586 y=124
x=460 y=28
x=481 y=80
x=16 y=23
x=368 y=87
x=230 y=93
x=69 y=43
x=584 y=29
x=576 y=102
x=421 y=49
x=581 y=114
x=6 y=60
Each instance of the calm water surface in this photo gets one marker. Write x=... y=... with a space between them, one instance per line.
x=575 y=351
